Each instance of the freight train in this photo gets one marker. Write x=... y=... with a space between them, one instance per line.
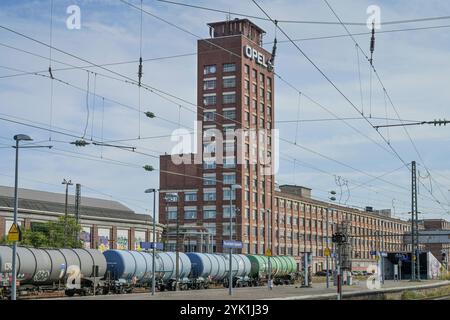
x=88 y=271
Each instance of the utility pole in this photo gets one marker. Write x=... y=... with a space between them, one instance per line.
x=269 y=240
x=413 y=219
x=232 y=189
x=18 y=138
x=77 y=209
x=67 y=184
x=154 y=237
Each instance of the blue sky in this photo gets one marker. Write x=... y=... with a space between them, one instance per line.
x=413 y=66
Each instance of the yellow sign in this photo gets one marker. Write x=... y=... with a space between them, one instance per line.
x=14 y=233
x=377 y=258
x=268 y=253
x=327 y=252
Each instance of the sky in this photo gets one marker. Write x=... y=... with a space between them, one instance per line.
x=345 y=156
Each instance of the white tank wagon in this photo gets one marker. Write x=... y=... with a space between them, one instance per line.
x=240 y=269
x=51 y=269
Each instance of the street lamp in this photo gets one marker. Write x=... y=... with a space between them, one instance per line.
x=18 y=138
x=67 y=184
x=173 y=197
x=269 y=246
x=233 y=188
x=154 y=237
x=332 y=198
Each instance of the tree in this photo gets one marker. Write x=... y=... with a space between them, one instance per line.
x=51 y=235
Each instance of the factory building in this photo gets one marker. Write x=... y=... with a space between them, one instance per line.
x=440 y=250
x=235 y=89
x=105 y=223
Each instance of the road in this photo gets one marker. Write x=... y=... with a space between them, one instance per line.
x=318 y=291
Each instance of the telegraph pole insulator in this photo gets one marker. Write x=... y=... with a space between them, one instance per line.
x=140 y=71
x=372 y=43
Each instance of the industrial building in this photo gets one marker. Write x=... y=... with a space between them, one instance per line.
x=105 y=223
x=235 y=88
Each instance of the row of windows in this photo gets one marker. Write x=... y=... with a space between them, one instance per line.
x=212 y=69
x=255 y=76
x=211 y=115
x=209 y=212
x=227 y=82
x=227 y=98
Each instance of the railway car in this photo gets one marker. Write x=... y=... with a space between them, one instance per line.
x=52 y=269
x=88 y=271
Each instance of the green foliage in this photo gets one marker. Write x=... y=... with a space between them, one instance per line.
x=52 y=235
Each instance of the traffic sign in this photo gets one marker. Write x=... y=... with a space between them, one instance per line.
x=150 y=245
x=14 y=233
x=268 y=253
x=230 y=244
x=327 y=252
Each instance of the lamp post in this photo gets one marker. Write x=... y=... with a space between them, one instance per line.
x=67 y=183
x=173 y=197
x=269 y=240
x=18 y=138
x=233 y=187
x=332 y=198
x=154 y=237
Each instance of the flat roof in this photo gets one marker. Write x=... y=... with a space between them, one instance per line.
x=212 y=24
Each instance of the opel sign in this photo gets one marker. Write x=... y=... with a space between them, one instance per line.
x=255 y=55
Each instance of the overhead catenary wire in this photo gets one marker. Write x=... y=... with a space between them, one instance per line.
x=390 y=100
x=50 y=68
x=305 y=21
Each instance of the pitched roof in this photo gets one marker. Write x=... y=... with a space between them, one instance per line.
x=55 y=202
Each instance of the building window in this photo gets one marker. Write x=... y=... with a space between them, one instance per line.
x=254 y=104
x=269 y=96
x=226 y=211
x=247 y=101
x=209 y=84
x=190 y=196
x=261 y=79
x=229 y=178
x=209 y=116
x=229 y=149
x=226 y=194
x=190 y=213
x=209 y=213
x=209 y=69
x=209 y=100
x=226 y=229
x=230 y=114
x=209 y=195
x=247 y=85
x=209 y=164
x=246 y=69
x=255 y=74
x=229 y=98
x=229 y=67
x=229 y=162
x=209 y=147
x=209 y=179
x=254 y=89
x=269 y=83
x=229 y=82
x=211 y=227
x=172 y=213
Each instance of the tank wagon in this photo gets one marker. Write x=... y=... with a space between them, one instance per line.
x=85 y=271
x=52 y=269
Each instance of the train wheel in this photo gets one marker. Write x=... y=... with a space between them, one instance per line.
x=70 y=293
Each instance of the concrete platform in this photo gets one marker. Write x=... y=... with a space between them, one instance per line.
x=318 y=291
